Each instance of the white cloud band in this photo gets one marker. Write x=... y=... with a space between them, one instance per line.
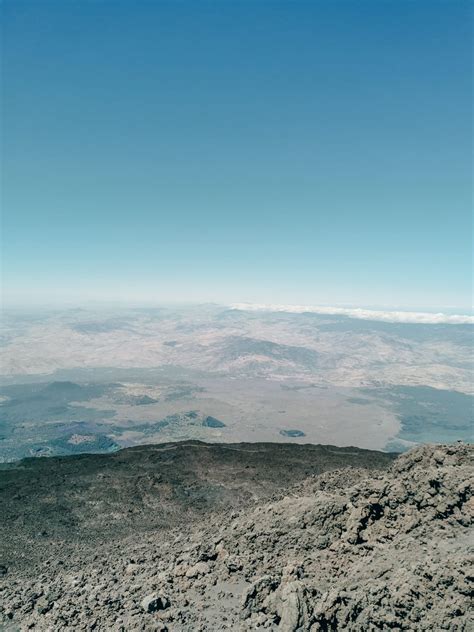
x=364 y=314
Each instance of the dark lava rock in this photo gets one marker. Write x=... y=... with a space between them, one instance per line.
x=212 y=422
x=154 y=602
x=292 y=433
x=144 y=400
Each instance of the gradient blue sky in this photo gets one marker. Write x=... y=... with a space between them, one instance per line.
x=305 y=152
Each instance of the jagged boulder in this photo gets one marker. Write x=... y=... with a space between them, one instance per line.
x=154 y=602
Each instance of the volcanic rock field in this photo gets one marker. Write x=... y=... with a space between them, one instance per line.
x=202 y=537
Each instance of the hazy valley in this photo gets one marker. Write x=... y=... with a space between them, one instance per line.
x=94 y=381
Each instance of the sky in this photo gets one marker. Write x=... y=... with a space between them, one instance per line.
x=270 y=152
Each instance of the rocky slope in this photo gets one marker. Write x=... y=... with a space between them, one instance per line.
x=343 y=549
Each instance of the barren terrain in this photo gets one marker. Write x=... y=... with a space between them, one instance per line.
x=97 y=380
x=195 y=537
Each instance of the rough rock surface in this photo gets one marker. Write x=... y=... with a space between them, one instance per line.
x=343 y=550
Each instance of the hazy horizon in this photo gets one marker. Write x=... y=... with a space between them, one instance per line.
x=388 y=313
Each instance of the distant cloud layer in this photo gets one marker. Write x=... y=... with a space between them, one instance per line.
x=364 y=314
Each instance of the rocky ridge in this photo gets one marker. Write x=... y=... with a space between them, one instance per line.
x=347 y=549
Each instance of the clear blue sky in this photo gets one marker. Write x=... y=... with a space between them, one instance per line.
x=290 y=152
